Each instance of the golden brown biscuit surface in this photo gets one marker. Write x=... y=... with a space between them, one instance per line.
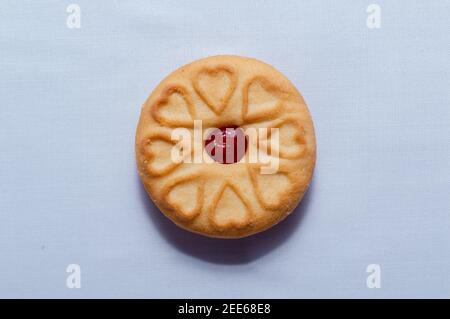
x=214 y=199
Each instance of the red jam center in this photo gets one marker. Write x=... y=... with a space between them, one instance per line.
x=226 y=145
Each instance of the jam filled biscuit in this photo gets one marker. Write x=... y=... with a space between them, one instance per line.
x=225 y=146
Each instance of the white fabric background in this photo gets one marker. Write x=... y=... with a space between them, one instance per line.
x=69 y=192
